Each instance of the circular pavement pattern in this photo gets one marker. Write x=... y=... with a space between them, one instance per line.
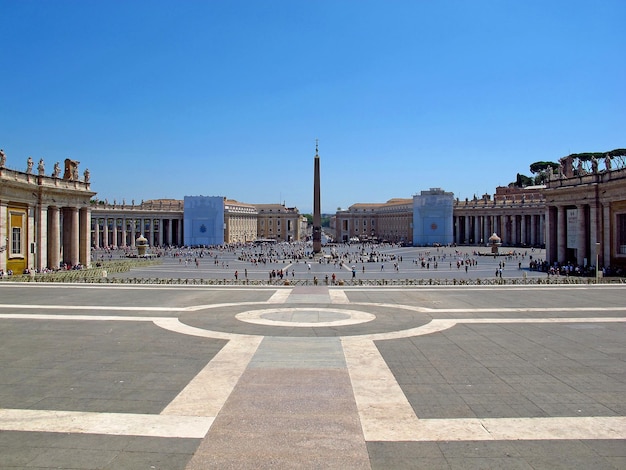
x=305 y=317
x=306 y=320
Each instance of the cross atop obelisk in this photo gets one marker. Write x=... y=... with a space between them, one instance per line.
x=317 y=209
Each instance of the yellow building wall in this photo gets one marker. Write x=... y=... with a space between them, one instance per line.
x=17 y=218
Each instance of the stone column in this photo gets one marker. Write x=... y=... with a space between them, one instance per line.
x=594 y=229
x=41 y=242
x=151 y=238
x=465 y=233
x=54 y=238
x=161 y=232
x=105 y=232
x=550 y=235
x=124 y=233
x=181 y=240
x=96 y=234
x=114 y=244
x=169 y=232
x=533 y=230
x=133 y=233
x=476 y=229
x=605 y=256
x=523 y=240
x=581 y=236
x=561 y=234
x=75 y=236
x=84 y=228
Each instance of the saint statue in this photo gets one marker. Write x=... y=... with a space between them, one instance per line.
x=86 y=174
x=29 y=165
x=3 y=159
x=41 y=168
x=57 y=170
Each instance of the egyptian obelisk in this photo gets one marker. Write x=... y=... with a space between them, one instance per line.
x=317 y=210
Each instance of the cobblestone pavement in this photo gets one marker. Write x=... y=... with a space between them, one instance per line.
x=174 y=377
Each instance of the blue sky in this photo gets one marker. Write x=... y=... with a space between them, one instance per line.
x=226 y=98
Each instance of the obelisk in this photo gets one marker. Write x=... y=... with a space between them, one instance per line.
x=317 y=210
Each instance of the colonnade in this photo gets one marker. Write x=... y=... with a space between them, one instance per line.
x=44 y=220
x=513 y=229
x=576 y=233
x=121 y=230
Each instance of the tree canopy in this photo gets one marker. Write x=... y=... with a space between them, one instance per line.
x=539 y=167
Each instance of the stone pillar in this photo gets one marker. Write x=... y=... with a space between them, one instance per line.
x=75 y=234
x=133 y=233
x=476 y=229
x=594 y=229
x=514 y=230
x=169 y=232
x=71 y=236
x=54 y=238
x=523 y=240
x=124 y=233
x=105 y=232
x=605 y=256
x=41 y=240
x=561 y=234
x=161 y=232
x=179 y=232
x=96 y=234
x=550 y=235
x=581 y=236
x=533 y=230
x=542 y=229
x=465 y=232
x=84 y=228
x=151 y=238
x=114 y=244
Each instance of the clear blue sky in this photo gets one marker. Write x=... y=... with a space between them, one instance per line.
x=226 y=98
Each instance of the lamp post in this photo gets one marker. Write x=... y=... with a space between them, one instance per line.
x=597 y=262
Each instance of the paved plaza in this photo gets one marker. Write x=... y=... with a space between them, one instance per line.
x=369 y=263
x=175 y=377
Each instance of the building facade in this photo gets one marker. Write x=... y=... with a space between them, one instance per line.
x=585 y=211
x=516 y=215
x=44 y=219
x=280 y=223
x=240 y=221
x=119 y=225
x=390 y=221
